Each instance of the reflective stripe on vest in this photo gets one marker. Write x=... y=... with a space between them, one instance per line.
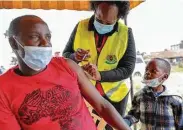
x=111 y=91
x=109 y=57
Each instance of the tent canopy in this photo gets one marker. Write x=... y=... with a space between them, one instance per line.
x=53 y=4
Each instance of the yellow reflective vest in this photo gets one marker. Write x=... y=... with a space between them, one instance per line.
x=109 y=57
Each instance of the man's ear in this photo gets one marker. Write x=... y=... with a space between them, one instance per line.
x=13 y=43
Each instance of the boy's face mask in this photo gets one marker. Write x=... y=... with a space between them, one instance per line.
x=154 y=82
x=36 y=57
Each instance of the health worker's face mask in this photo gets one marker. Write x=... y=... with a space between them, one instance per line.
x=37 y=58
x=102 y=28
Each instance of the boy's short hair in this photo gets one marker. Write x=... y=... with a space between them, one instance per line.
x=164 y=65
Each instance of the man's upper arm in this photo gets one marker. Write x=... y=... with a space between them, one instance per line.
x=68 y=50
x=7 y=118
x=126 y=64
x=87 y=89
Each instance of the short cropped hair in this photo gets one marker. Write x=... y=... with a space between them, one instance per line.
x=14 y=27
x=164 y=65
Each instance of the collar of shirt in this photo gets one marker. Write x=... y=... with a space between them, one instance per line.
x=156 y=94
x=159 y=93
x=92 y=28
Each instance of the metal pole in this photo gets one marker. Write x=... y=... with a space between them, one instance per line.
x=125 y=20
x=132 y=94
x=131 y=79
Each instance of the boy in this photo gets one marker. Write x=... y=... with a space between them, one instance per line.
x=154 y=105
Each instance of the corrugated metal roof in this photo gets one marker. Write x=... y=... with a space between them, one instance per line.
x=53 y=4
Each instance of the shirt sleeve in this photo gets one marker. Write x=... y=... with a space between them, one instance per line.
x=178 y=112
x=68 y=51
x=7 y=118
x=125 y=66
x=133 y=115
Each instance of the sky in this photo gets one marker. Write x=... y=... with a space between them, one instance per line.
x=156 y=25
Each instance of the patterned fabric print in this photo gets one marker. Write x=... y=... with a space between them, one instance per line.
x=55 y=103
x=161 y=113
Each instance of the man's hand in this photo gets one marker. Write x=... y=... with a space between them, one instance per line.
x=92 y=72
x=81 y=55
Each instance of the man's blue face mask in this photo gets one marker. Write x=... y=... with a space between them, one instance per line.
x=36 y=57
x=102 y=28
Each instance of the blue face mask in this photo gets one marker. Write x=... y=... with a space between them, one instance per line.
x=36 y=57
x=102 y=28
x=153 y=82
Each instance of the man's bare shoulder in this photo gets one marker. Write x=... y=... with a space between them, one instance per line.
x=73 y=65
